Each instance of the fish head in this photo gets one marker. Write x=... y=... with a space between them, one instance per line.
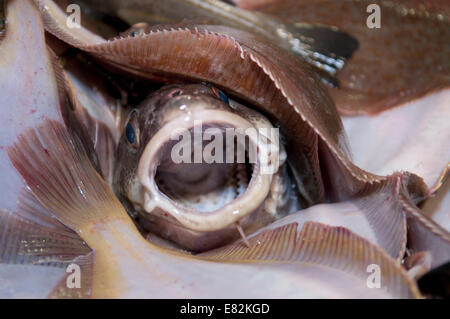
x=198 y=166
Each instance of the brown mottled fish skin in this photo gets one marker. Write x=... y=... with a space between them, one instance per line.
x=2 y=18
x=314 y=43
x=404 y=59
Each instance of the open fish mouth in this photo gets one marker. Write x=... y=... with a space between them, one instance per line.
x=209 y=168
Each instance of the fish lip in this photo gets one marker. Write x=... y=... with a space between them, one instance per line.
x=258 y=187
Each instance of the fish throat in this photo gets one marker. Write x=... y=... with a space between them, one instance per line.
x=209 y=175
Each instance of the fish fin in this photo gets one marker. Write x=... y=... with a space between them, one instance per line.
x=375 y=214
x=31 y=235
x=69 y=103
x=2 y=20
x=55 y=19
x=395 y=62
x=76 y=288
x=34 y=245
x=56 y=168
x=26 y=242
x=424 y=234
x=326 y=48
x=319 y=244
x=385 y=214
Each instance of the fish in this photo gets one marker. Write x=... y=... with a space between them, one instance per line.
x=314 y=43
x=27 y=227
x=436 y=282
x=305 y=163
x=403 y=60
x=436 y=208
x=122 y=53
x=2 y=18
x=114 y=256
x=398 y=241
x=208 y=195
x=344 y=230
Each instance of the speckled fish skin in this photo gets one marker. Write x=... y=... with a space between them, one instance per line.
x=404 y=59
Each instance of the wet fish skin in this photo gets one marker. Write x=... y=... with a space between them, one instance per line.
x=207 y=189
x=405 y=59
x=314 y=43
x=126 y=265
x=263 y=75
x=96 y=116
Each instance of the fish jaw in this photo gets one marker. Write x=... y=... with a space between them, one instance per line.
x=232 y=212
x=219 y=186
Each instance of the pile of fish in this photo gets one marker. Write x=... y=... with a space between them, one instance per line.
x=349 y=199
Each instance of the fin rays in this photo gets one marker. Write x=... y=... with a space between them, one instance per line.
x=318 y=244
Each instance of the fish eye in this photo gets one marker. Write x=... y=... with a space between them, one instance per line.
x=221 y=95
x=131 y=133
